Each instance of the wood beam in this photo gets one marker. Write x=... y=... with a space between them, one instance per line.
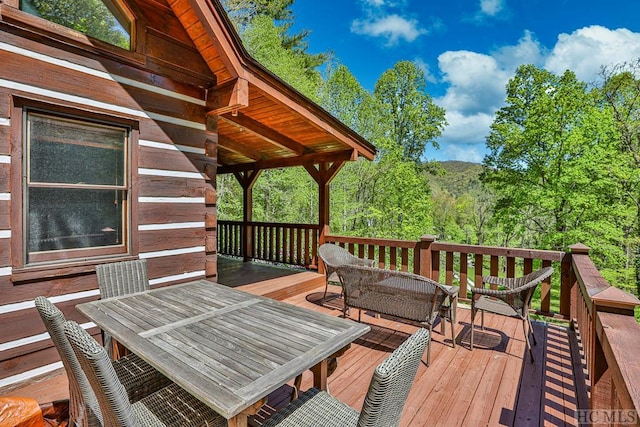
x=305 y=160
x=266 y=133
x=229 y=97
x=237 y=148
x=247 y=179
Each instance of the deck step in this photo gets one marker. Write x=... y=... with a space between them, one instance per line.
x=285 y=287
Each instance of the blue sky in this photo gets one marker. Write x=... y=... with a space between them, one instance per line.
x=469 y=49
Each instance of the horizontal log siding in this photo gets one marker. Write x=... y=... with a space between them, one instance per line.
x=166 y=98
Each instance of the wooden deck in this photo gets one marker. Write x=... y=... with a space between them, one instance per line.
x=494 y=385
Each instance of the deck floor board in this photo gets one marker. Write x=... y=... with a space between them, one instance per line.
x=495 y=384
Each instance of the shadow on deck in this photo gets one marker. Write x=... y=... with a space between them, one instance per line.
x=493 y=385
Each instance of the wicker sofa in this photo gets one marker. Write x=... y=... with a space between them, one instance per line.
x=399 y=294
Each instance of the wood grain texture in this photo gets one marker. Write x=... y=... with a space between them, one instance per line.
x=159 y=240
x=162 y=213
x=201 y=322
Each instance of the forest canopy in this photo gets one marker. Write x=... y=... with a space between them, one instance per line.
x=563 y=162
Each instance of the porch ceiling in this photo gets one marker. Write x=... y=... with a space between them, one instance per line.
x=262 y=122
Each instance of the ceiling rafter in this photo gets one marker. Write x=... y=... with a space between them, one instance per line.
x=304 y=160
x=241 y=149
x=266 y=133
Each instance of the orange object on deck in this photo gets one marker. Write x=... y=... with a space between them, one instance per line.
x=20 y=412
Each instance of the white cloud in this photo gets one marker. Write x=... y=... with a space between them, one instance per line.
x=491 y=7
x=476 y=81
x=585 y=50
x=476 y=90
x=375 y=3
x=392 y=27
x=428 y=75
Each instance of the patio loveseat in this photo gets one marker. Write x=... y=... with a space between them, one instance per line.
x=399 y=294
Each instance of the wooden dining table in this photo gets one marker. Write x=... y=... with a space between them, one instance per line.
x=226 y=347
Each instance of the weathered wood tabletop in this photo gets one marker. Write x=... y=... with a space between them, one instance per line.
x=228 y=348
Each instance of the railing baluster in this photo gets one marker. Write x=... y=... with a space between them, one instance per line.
x=393 y=254
x=545 y=295
x=511 y=267
x=404 y=254
x=463 y=275
x=449 y=268
x=478 y=270
x=382 y=257
x=435 y=266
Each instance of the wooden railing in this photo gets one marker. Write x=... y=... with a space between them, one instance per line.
x=293 y=244
x=603 y=317
x=607 y=334
x=463 y=265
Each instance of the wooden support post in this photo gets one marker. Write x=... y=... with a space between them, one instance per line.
x=322 y=174
x=247 y=180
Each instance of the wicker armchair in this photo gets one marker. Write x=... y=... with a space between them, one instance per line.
x=169 y=406
x=400 y=294
x=383 y=403
x=334 y=256
x=513 y=300
x=121 y=278
x=138 y=378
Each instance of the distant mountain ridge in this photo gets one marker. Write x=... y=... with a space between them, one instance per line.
x=458 y=178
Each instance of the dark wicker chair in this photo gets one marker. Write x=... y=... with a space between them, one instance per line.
x=138 y=378
x=169 y=406
x=400 y=294
x=334 y=256
x=117 y=279
x=511 y=298
x=383 y=404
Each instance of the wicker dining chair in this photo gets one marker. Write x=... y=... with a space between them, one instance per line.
x=121 y=278
x=138 y=377
x=169 y=406
x=512 y=298
x=334 y=256
x=388 y=391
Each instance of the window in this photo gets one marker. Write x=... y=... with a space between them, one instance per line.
x=76 y=188
x=104 y=20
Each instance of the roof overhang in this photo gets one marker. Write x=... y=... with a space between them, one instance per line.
x=262 y=122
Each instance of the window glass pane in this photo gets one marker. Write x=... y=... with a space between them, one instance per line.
x=74 y=218
x=70 y=152
x=99 y=19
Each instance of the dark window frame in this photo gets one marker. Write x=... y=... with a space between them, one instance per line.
x=10 y=12
x=64 y=262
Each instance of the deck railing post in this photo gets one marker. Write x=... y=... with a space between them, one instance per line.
x=426 y=268
x=567 y=281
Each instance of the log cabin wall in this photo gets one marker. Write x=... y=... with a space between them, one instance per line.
x=158 y=89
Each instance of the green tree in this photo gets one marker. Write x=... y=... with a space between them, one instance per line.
x=620 y=89
x=410 y=117
x=385 y=198
x=549 y=151
x=91 y=17
x=264 y=41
